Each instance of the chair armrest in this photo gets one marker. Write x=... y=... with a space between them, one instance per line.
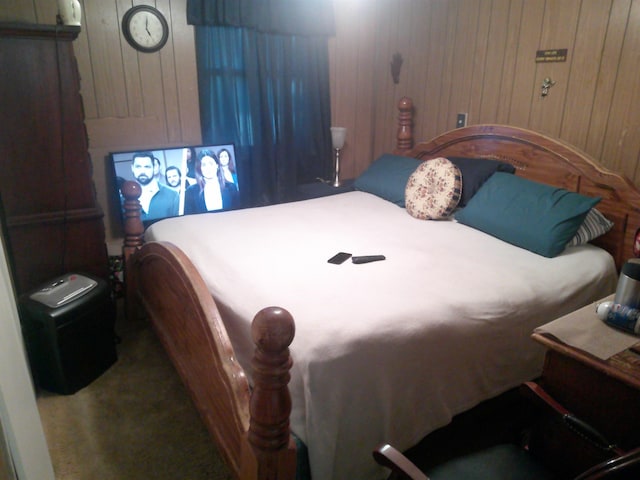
x=624 y=466
x=534 y=391
x=387 y=456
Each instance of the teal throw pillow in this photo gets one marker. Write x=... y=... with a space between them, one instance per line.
x=531 y=215
x=387 y=177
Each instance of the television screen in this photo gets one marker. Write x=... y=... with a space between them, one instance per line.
x=179 y=180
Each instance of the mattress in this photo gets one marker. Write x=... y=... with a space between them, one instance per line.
x=385 y=351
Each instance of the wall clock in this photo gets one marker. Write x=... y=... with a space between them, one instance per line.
x=145 y=28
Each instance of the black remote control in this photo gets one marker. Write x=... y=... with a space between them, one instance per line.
x=367 y=258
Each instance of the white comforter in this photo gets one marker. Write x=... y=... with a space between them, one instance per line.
x=391 y=350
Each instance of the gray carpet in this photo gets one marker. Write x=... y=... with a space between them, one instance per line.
x=135 y=421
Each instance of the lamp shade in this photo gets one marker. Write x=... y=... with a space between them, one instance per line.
x=338 y=135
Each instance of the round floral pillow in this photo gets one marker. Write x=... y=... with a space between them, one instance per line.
x=433 y=189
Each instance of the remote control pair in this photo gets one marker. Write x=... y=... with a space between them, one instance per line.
x=341 y=257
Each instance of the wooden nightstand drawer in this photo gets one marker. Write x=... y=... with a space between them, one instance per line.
x=603 y=391
x=611 y=405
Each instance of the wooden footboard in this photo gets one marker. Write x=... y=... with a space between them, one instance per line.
x=249 y=426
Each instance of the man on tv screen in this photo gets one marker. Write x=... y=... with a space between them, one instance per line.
x=157 y=201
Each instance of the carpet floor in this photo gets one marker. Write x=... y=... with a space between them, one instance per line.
x=135 y=421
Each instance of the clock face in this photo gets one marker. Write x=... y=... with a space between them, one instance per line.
x=145 y=28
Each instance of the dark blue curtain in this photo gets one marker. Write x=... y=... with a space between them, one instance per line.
x=268 y=93
x=290 y=17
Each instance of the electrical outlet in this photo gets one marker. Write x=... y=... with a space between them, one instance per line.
x=461 y=120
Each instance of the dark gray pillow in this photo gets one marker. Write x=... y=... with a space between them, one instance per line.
x=476 y=171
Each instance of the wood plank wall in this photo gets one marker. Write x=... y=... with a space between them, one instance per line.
x=478 y=57
x=470 y=56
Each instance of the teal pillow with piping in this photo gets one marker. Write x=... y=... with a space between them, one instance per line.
x=528 y=214
x=387 y=177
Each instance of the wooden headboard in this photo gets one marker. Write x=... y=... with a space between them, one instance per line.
x=543 y=159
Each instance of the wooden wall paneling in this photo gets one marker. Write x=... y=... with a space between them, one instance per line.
x=409 y=42
x=558 y=31
x=343 y=48
x=124 y=133
x=168 y=81
x=482 y=72
x=152 y=97
x=362 y=94
x=396 y=18
x=386 y=21
x=508 y=63
x=347 y=49
x=103 y=33
x=583 y=75
x=46 y=11
x=131 y=75
x=463 y=62
x=486 y=93
x=340 y=49
x=525 y=89
x=186 y=75
x=415 y=75
x=607 y=75
x=448 y=66
x=18 y=11
x=406 y=41
x=622 y=142
x=83 y=58
x=428 y=110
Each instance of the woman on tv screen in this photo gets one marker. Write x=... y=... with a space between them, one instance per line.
x=212 y=190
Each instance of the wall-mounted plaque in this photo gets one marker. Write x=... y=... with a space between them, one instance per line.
x=556 y=55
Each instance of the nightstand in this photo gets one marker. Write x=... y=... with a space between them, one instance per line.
x=604 y=391
x=321 y=189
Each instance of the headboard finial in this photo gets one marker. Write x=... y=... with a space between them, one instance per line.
x=404 y=139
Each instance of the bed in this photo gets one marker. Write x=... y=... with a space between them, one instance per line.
x=386 y=351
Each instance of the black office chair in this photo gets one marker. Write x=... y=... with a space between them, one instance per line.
x=556 y=445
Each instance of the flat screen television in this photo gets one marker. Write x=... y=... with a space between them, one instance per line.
x=179 y=180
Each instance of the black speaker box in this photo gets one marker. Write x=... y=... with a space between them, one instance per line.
x=68 y=325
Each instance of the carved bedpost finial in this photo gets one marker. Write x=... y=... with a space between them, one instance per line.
x=272 y=330
x=405 y=124
x=133 y=231
x=133 y=228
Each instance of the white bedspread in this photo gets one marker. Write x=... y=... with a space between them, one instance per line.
x=391 y=350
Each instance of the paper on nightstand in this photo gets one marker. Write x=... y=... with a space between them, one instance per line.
x=584 y=330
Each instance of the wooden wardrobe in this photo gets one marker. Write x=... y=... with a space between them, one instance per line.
x=51 y=221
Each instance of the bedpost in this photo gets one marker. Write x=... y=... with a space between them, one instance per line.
x=272 y=330
x=404 y=139
x=133 y=231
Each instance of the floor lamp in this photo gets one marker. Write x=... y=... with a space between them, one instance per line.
x=338 y=135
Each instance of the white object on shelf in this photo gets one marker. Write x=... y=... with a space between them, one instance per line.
x=70 y=12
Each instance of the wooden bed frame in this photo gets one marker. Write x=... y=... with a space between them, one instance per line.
x=250 y=426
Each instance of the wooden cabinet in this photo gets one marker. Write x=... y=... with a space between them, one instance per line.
x=52 y=223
